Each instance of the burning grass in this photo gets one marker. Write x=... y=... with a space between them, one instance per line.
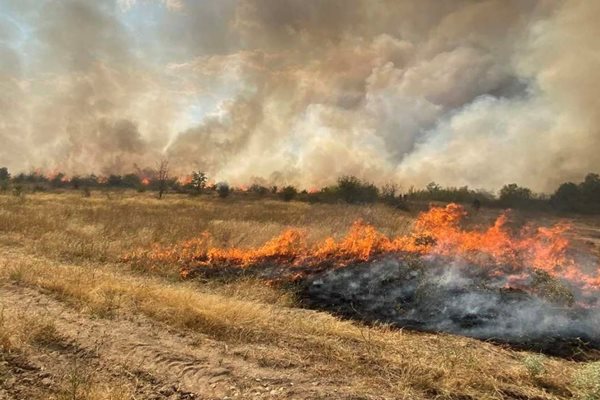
x=74 y=262
x=498 y=250
x=520 y=286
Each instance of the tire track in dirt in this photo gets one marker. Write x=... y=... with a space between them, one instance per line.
x=160 y=360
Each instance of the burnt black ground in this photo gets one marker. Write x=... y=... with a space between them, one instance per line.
x=437 y=295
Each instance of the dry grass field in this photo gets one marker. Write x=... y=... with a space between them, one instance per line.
x=76 y=323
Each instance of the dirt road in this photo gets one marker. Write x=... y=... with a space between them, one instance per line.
x=151 y=360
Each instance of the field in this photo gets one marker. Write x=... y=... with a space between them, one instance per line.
x=77 y=323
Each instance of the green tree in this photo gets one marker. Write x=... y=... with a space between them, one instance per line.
x=4 y=179
x=162 y=177
x=131 y=180
x=433 y=188
x=590 y=189
x=567 y=197
x=59 y=180
x=114 y=181
x=223 y=189
x=513 y=194
x=199 y=181
x=258 y=189
x=288 y=193
x=4 y=174
x=353 y=190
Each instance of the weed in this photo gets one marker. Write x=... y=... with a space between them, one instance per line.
x=587 y=380
x=534 y=363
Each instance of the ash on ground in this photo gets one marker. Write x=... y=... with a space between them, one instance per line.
x=432 y=295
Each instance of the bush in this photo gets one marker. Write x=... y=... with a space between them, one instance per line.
x=288 y=193
x=534 y=363
x=513 y=195
x=583 y=197
x=131 y=181
x=258 y=189
x=18 y=191
x=199 y=180
x=590 y=189
x=223 y=189
x=389 y=194
x=4 y=174
x=353 y=190
x=435 y=192
x=567 y=197
x=115 y=181
x=389 y=191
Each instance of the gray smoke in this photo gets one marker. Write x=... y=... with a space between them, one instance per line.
x=300 y=91
x=450 y=296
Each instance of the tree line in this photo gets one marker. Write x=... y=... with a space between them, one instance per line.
x=581 y=197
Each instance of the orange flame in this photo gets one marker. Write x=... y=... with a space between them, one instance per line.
x=185 y=180
x=435 y=232
x=145 y=181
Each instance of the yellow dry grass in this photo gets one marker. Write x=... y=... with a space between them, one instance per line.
x=68 y=246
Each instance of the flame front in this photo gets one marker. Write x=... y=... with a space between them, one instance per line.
x=437 y=232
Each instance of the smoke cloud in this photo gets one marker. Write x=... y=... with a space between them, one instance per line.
x=463 y=92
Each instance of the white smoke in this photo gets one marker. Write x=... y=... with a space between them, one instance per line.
x=446 y=295
x=462 y=92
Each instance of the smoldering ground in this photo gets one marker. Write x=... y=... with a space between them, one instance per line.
x=441 y=295
x=296 y=92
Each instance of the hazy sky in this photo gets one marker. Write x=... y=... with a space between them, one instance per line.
x=461 y=92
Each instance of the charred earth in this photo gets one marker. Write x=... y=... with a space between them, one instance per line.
x=432 y=294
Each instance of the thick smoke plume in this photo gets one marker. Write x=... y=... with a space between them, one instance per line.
x=457 y=91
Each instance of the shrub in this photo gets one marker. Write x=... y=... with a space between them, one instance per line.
x=590 y=189
x=199 y=181
x=288 y=193
x=4 y=178
x=353 y=190
x=131 y=181
x=223 y=189
x=514 y=195
x=114 y=180
x=18 y=191
x=390 y=195
x=583 y=197
x=435 y=192
x=534 y=363
x=567 y=197
x=4 y=174
x=258 y=189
